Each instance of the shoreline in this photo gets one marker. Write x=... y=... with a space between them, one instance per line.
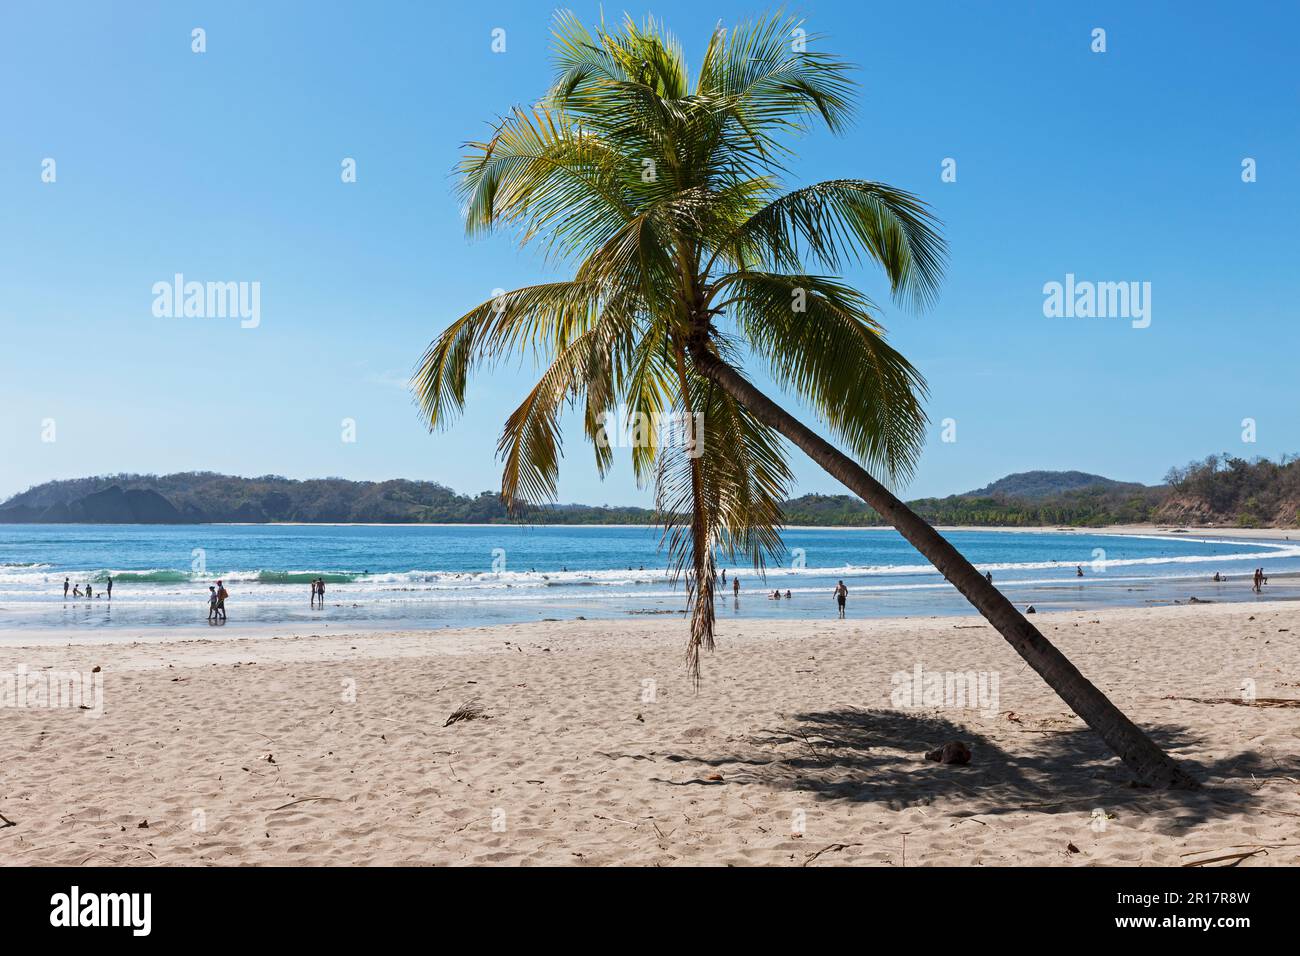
x=20 y=636
x=450 y=603
x=594 y=750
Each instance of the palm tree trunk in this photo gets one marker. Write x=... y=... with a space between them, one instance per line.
x=1151 y=764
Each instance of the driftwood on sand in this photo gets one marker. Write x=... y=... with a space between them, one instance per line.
x=472 y=709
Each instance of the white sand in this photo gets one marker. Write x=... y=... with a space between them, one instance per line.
x=791 y=748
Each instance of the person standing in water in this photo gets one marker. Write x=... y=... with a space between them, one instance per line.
x=735 y=588
x=212 y=603
x=320 y=590
x=110 y=589
x=222 y=594
x=841 y=596
x=65 y=589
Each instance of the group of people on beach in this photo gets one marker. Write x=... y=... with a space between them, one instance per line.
x=318 y=592
x=89 y=592
x=1258 y=580
x=841 y=593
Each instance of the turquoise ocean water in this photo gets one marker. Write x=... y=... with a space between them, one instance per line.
x=415 y=577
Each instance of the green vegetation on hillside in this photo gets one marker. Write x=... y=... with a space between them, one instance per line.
x=1220 y=490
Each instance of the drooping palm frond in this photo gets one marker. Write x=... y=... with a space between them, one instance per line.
x=530 y=444
x=722 y=476
x=820 y=340
x=535 y=319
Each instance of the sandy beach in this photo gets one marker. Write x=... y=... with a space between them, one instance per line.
x=802 y=747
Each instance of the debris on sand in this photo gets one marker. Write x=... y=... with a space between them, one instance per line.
x=952 y=752
x=470 y=710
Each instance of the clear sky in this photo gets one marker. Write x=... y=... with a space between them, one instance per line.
x=1117 y=166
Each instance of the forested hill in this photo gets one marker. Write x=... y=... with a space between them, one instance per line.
x=1045 y=484
x=199 y=497
x=1219 y=490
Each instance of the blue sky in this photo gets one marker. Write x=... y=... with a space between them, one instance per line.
x=1115 y=166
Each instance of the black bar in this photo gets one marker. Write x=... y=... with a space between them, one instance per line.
x=303 y=905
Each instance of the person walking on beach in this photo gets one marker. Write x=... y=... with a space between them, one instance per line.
x=65 y=589
x=735 y=588
x=222 y=594
x=841 y=596
x=212 y=603
x=110 y=589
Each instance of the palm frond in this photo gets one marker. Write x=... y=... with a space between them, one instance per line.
x=838 y=223
x=539 y=318
x=820 y=340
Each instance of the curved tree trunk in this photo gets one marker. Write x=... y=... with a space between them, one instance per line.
x=1151 y=764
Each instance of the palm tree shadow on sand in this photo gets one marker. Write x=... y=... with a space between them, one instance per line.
x=876 y=756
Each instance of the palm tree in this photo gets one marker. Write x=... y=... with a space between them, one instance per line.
x=689 y=256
